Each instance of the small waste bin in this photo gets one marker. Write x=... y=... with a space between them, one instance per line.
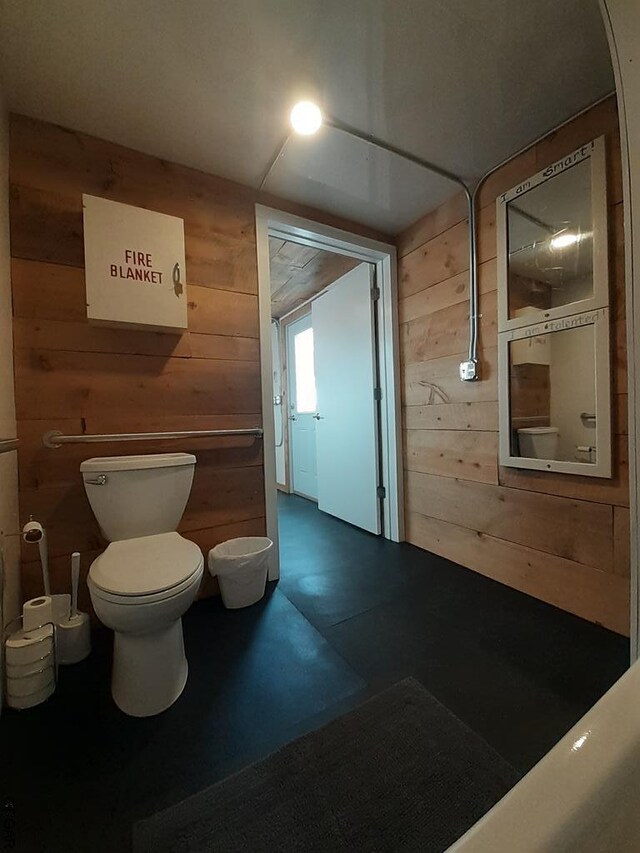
x=241 y=568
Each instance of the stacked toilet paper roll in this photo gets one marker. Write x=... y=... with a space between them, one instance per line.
x=30 y=666
x=37 y=612
x=72 y=634
x=46 y=608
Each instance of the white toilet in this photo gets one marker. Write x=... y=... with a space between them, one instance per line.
x=538 y=442
x=148 y=576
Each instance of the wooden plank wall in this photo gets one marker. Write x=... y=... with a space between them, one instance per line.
x=560 y=538
x=79 y=378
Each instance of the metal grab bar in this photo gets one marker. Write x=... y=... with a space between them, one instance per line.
x=7 y=444
x=54 y=438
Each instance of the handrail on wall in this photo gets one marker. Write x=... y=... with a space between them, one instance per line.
x=7 y=444
x=54 y=438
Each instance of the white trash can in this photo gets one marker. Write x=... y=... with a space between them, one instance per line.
x=241 y=568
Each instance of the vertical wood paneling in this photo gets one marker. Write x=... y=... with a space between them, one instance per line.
x=563 y=539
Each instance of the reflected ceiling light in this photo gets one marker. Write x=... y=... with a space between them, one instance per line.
x=306 y=118
x=564 y=240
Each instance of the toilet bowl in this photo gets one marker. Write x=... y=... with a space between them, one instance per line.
x=538 y=442
x=141 y=588
x=147 y=578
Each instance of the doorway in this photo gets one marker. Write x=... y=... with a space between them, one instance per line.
x=333 y=401
x=330 y=374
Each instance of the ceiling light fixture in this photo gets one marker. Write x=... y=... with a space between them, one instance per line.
x=306 y=118
x=561 y=241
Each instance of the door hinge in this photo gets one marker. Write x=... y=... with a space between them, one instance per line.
x=375 y=293
x=381 y=492
x=377 y=393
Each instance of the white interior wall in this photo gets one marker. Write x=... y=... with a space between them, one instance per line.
x=572 y=378
x=9 y=539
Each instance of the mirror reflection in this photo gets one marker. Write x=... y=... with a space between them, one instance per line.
x=553 y=396
x=550 y=243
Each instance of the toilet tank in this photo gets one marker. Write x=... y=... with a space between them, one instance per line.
x=539 y=442
x=138 y=495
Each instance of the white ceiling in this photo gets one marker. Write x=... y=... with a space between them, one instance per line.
x=207 y=83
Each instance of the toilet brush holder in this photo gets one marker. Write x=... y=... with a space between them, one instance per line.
x=73 y=639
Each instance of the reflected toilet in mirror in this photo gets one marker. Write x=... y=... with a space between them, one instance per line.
x=538 y=442
x=553 y=396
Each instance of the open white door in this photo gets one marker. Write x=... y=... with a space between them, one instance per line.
x=302 y=406
x=345 y=370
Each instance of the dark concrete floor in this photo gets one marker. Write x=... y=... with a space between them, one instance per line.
x=351 y=615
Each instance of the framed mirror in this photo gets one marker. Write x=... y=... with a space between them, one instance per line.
x=553 y=319
x=552 y=241
x=554 y=395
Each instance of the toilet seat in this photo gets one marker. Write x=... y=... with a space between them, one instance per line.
x=150 y=598
x=148 y=568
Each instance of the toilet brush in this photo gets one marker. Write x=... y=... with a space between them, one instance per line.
x=73 y=635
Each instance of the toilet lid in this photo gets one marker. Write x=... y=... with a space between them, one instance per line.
x=145 y=565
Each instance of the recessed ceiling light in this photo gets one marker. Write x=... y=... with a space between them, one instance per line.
x=306 y=118
x=564 y=240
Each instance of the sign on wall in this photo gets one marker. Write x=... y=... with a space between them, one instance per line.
x=134 y=266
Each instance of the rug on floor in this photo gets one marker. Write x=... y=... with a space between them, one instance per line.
x=399 y=773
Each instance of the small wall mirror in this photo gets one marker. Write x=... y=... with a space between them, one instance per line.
x=554 y=364
x=557 y=413
x=552 y=241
